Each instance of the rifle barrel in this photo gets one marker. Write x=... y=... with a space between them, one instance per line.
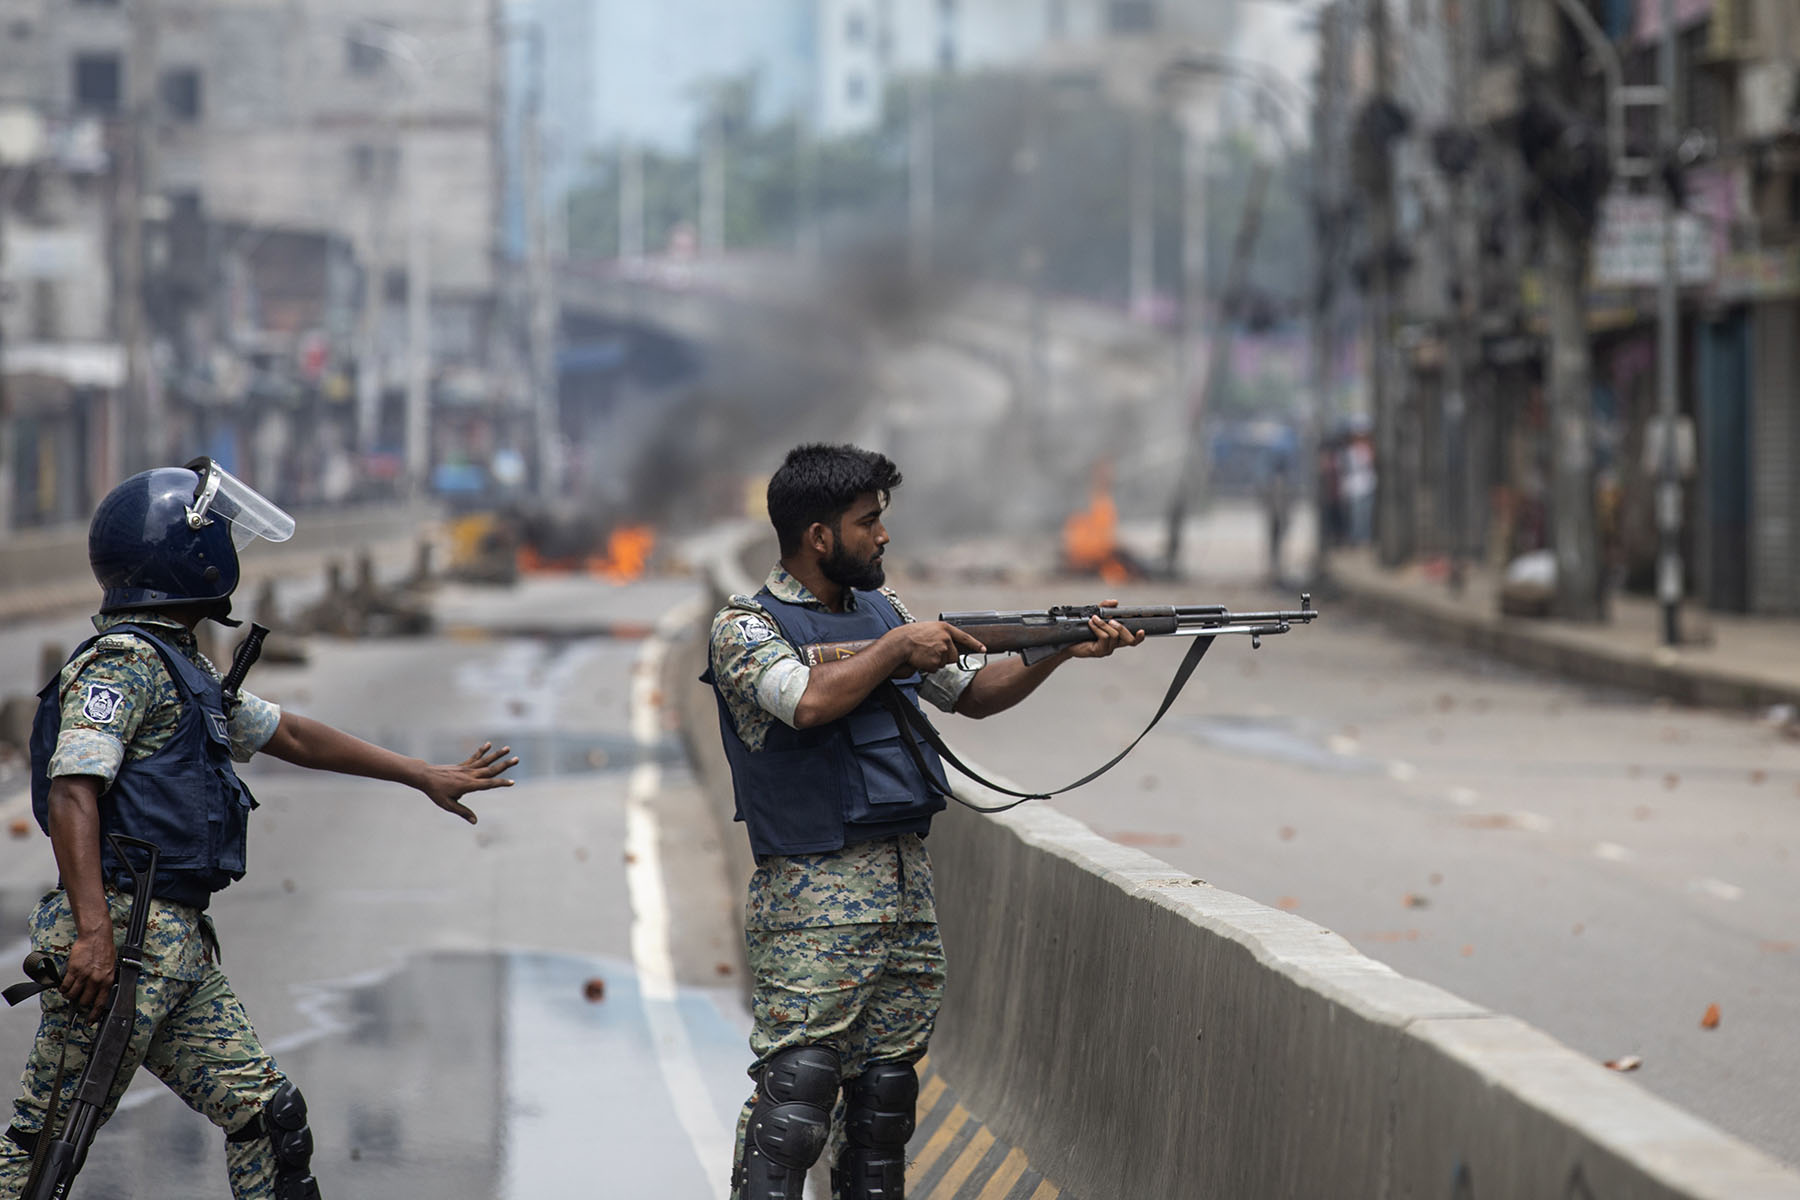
x=1302 y=615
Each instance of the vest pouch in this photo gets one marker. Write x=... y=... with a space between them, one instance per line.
x=163 y=806
x=889 y=781
x=228 y=816
x=804 y=817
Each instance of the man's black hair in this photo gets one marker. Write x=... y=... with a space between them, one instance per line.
x=819 y=482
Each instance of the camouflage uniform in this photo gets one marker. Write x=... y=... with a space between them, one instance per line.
x=843 y=946
x=119 y=703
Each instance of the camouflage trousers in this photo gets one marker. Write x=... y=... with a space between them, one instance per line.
x=191 y=1034
x=869 y=992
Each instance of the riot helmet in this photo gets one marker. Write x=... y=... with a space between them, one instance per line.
x=171 y=536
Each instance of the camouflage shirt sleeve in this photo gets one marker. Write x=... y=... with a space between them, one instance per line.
x=105 y=695
x=944 y=686
x=758 y=670
x=252 y=725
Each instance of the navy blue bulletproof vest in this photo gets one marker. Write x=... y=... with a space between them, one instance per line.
x=186 y=797
x=808 y=791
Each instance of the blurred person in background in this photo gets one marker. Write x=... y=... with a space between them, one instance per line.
x=1277 y=499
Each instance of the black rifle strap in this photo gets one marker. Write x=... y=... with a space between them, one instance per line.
x=910 y=720
x=40 y=1149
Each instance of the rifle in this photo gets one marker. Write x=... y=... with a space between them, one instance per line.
x=60 y=1156
x=1036 y=635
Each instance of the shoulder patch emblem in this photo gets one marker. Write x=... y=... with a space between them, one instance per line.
x=756 y=631
x=102 y=704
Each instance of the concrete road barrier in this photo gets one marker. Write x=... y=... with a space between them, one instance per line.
x=1140 y=1034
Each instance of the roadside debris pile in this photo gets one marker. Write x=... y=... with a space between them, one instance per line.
x=366 y=609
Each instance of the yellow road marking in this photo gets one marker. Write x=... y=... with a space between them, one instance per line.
x=964 y=1166
x=1046 y=1191
x=940 y=1141
x=928 y=1098
x=1002 y=1180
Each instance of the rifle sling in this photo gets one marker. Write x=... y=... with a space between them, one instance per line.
x=911 y=721
x=40 y=1144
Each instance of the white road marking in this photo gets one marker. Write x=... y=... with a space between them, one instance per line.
x=1533 y=822
x=1342 y=744
x=650 y=919
x=1463 y=797
x=1613 y=852
x=1402 y=772
x=1718 y=889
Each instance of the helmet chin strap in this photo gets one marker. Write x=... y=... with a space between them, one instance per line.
x=220 y=611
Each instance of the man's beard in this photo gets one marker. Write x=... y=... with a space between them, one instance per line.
x=848 y=571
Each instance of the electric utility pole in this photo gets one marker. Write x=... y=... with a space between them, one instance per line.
x=1193 y=298
x=1393 y=520
x=1457 y=152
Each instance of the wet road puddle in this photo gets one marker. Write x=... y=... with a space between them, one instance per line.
x=467 y=1076
x=1275 y=739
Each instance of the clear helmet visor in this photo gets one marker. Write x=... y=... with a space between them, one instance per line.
x=222 y=496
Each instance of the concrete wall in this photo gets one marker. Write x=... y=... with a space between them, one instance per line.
x=46 y=570
x=1139 y=1033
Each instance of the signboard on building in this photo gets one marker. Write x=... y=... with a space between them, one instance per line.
x=1628 y=249
x=1765 y=273
x=48 y=253
x=1687 y=12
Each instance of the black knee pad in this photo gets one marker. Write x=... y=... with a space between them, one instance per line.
x=879 y=1106
x=792 y=1117
x=879 y=1112
x=283 y=1121
x=790 y=1122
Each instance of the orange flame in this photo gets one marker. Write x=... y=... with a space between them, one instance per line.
x=1091 y=536
x=627 y=554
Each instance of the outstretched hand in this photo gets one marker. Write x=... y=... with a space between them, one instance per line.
x=481 y=771
x=1108 y=636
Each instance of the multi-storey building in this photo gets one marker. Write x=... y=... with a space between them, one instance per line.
x=1738 y=174
x=279 y=180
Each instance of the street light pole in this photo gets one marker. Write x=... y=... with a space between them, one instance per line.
x=921 y=185
x=542 y=320
x=1193 y=289
x=1142 y=185
x=418 y=333
x=1668 y=491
